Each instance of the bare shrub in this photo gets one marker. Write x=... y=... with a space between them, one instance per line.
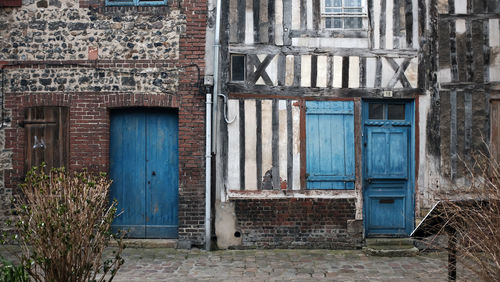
x=471 y=218
x=64 y=224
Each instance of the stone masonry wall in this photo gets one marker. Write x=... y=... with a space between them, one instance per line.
x=92 y=59
x=298 y=223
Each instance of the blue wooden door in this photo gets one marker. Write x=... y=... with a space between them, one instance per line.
x=144 y=170
x=388 y=168
x=330 y=144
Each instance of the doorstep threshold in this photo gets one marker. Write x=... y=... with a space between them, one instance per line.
x=147 y=243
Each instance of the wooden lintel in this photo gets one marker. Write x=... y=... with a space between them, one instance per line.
x=476 y=16
x=288 y=91
x=260 y=49
x=490 y=86
x=329 y=33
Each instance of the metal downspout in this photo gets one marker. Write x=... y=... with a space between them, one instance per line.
x=208 y=170
x=211 y=130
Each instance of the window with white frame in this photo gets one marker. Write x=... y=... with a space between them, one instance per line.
x=344 y=14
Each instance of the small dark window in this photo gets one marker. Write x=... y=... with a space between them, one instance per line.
x=396 y=111
x=376 y=111
x=237 y=67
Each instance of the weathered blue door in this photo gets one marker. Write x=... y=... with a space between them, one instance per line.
x=144 y=170
x=388 y=168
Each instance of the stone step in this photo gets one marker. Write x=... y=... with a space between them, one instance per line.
x=147 y=243
x=390 y=247
x=389 y=241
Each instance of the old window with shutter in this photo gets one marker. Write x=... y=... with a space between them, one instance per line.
x=47 y=136
x=135 y=2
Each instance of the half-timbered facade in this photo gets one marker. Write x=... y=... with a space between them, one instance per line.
x=341 y=119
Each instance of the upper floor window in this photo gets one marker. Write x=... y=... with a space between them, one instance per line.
x=135 y=2
x=344 y=14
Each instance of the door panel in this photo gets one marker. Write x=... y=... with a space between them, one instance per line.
x=162 y=156
x=387 y=152
x=144 y=170
x=127 y=165
x=386 y=202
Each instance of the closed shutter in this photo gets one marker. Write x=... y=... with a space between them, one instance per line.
x=47 y=137
x=120 y=3
x=10 y=3
x=330 y=145
x=151 y=2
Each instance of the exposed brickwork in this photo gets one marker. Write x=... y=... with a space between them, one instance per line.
x=96 y=59
x=297 y=223
x=191 y=122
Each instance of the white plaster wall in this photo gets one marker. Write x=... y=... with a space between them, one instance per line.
x=233 y=173
x=283 y=141
x=494 y=37
x=250 y=145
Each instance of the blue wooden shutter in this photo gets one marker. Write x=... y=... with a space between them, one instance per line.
x=120 y=3
x=330 y=145
x=151 y=2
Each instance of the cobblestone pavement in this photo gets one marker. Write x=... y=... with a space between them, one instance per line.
x=162 y=264
x=279 y=265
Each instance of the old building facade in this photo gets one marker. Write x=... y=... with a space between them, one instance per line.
x=111 y=86
x=346 y=119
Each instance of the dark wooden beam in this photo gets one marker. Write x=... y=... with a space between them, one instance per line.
x=241 y=4
x=329 y=33
x=260 y=49
x=297 y=91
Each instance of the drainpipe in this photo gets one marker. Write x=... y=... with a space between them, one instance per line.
x=211 y=129
x=216 y=73
x=208 y=170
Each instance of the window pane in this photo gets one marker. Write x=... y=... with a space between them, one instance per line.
x=353 y=23
x=333 y=10
x=396 y=111
x=353 y=10
x=237 y=68
x=337 y=22
x=328 y=22
x=337 y=3
x=375 y=111
x=352 y=3
x=328 y=3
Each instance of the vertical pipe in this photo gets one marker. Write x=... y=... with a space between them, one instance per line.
x=216 y=72
x=211 y=129
x=208 y=171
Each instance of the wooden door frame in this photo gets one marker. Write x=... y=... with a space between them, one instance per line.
x=411 y=104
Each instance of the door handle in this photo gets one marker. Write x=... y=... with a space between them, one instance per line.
x=154 y=173
x=369 y=180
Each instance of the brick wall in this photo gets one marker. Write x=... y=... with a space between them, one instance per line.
x=297 y=223
x=192 y=122
x=92 y=60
